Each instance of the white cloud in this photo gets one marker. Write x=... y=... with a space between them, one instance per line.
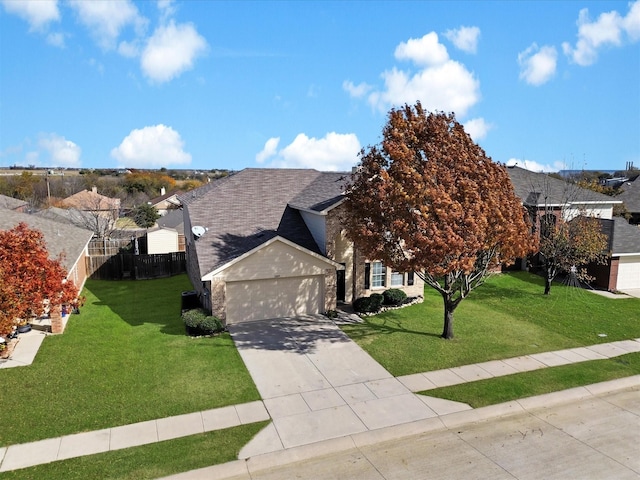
x=171 y=50
x=269 y=150
x=464 y=38
x=439 y=83
x=356 y=91
x=106 y=19
x=448 y=87
x=535 y=166
x=167 y=9
x=423 y=51
x=477 y=128
x=62 y=152
x=606 y=31
x=38 y=14
x=537 y=65
x=333 y=152
x=56 y=39
x=151 y=147
x=631 y=23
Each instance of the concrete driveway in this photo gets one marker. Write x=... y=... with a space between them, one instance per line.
x=317 y=384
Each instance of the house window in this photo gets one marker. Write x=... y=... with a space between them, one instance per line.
x=410 y=278
x=397 y=279
x=378 y=274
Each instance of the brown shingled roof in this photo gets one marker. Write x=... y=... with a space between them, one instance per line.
x=248 y=208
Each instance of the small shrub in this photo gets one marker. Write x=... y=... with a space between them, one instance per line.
x=193 y=318
x=197 y=322
x=370 y=304
x=394 y=296
x=211 y=325
x=331 y=314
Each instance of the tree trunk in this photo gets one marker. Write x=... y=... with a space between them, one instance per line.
x=447 y=331
x=547 y=285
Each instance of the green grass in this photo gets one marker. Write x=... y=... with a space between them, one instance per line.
x=124 y=359
x=506 y=317
x=511 y=387
x=148 y=461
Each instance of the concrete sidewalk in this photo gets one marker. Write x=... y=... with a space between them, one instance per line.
x=584 y=433
x=25 y=350
x=327 y=390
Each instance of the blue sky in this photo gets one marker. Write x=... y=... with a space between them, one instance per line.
x=213 y=84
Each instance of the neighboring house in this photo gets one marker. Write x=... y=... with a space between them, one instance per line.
x=168 y=235
x=60 y=238
x=10 y=203
x=166 y=201
x=81 y=219
x=267 y=243
x=95 y=203
x=630 y=195
x=544 y=195
x=622 y=272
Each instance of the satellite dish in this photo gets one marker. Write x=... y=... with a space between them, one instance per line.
x=198 y=231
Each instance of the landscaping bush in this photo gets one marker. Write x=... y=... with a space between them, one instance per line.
x=197 y=322
x=211 y=325
x=394 y=296
x=370 y=304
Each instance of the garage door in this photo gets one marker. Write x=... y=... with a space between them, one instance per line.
x=628 y=273
x=273 y=298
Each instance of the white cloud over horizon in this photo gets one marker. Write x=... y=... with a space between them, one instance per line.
x=439 y=82
x=37 y=14
x=153 y=146
x=610 y=29
x=535 y=166
x=537 y=64
x=105 y=20
x=477 y=128
x=118 y=25
x=171 y=50
x=333 y=152
x=464 y=38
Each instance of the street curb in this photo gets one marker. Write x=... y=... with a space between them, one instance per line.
x=244 y=469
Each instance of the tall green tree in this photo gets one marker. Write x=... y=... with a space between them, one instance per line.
x=429 y=200
x=145 y=215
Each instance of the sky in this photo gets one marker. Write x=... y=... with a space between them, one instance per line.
x=203 y=85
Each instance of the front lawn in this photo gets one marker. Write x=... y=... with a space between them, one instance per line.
x=124 y=359
x=506 y=317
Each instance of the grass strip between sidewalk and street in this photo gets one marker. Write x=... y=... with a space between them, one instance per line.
x=538 y=382
x=148 y=461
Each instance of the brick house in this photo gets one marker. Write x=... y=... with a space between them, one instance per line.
x=60 y=238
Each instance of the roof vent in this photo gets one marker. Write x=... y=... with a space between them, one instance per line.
x=198 y=231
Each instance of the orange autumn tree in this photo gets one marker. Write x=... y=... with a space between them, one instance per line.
x=28 y=277
x=429 y=200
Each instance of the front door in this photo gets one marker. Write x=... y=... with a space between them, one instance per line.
x=342 y=286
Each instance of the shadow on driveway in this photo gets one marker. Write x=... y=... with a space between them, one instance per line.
x=293 y=334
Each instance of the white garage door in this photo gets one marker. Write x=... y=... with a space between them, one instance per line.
x=273 y=298
x=628 y=273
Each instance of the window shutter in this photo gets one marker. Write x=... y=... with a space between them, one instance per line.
x=367 y=276
x=410 y=278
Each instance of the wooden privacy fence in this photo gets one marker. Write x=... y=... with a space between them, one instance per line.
x=108 y=246
x=137 y=267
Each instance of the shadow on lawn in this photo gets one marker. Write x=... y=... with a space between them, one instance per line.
x=368 y=328
x=140 y=302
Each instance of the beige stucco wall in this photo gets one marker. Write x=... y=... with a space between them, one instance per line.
x=276 y=260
